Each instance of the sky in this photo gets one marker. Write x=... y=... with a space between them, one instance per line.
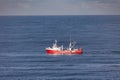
x=59 y=7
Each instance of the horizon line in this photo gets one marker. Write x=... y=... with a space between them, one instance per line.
x=69 y=15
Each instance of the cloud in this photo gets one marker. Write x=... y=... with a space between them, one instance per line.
x=59 y=7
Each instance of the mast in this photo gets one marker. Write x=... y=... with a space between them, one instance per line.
x=55 y=44
x=70 y=44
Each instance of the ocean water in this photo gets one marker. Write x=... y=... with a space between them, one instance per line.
x=23 y=40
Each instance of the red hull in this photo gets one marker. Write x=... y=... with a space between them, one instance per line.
x=59 y=50
x=67 y=52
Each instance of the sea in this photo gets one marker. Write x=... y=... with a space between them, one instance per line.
x=23 y=40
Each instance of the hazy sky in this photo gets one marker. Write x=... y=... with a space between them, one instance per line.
x=59 y=7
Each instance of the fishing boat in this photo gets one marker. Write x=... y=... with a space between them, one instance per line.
x=59 y=50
